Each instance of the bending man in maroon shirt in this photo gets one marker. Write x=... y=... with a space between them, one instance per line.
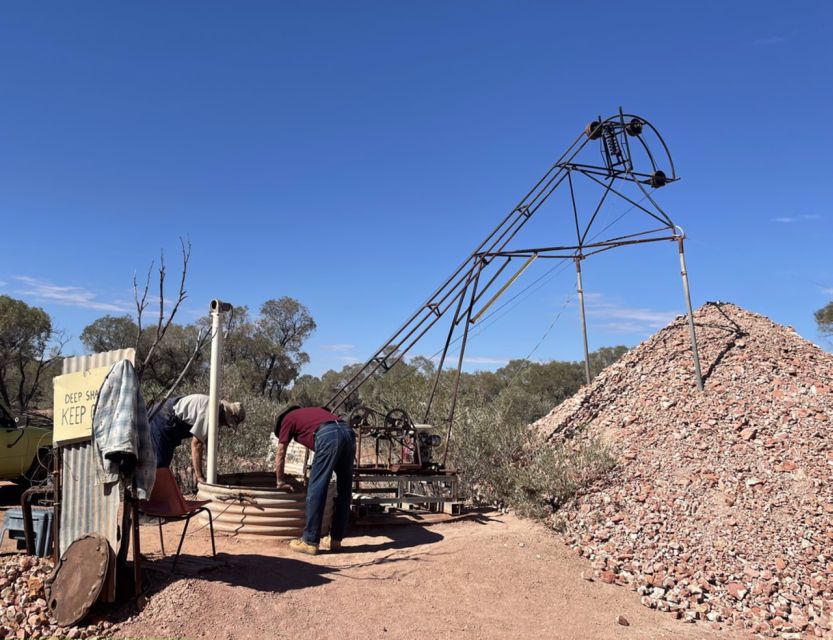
x=335 y=448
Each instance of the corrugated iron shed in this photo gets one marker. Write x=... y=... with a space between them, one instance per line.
x=87 y=505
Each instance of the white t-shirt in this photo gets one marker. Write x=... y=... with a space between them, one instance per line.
x=193 y=409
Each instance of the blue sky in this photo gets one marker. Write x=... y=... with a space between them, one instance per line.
x=351 y=154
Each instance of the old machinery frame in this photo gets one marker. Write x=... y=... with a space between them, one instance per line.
x=395 y=466
x=397 y=444
x=631 y=162
x=435 y=492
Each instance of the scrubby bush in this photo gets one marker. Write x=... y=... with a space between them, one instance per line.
x=505 y=463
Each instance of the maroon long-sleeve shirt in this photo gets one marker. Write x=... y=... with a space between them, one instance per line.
x=301 y=424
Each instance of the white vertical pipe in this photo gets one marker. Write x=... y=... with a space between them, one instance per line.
x=692 y=333
x=580 y=289
x=214 y=386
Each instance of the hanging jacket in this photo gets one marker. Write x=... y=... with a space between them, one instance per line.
x=121 y=433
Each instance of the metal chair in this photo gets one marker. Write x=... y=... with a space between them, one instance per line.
x=167 y=505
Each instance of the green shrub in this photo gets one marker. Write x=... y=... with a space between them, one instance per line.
x=505 y=463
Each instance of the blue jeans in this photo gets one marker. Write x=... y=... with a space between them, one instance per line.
x=335 y=448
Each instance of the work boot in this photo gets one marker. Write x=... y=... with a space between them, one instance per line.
x=300 y=546
x=328 y=544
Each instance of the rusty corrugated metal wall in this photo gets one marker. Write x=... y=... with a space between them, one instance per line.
x=87 y=506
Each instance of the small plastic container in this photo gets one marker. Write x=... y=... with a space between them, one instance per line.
x=41 y=525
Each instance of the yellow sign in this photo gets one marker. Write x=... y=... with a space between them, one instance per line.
x=75 y=398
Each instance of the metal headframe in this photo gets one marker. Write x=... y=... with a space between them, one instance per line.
x=633 y=157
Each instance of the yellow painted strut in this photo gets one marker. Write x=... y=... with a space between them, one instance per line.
x=506 y=285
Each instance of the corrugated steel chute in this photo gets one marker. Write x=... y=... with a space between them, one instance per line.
x=87 y=506
x=249 y=504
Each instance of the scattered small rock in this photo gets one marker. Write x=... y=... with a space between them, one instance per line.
x=736 y=590
x=23 y=608
x=787 y=465
x=748 y=434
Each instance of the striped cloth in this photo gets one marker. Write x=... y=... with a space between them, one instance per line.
x=121 y=431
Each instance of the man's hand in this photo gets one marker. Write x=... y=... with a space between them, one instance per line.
x=280 y=460
x=284 y=485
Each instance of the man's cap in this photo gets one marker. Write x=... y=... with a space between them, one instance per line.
x=234 y=412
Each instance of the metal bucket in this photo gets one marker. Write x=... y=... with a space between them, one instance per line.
x=249 y=504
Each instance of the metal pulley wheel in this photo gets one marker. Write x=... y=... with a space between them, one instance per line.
x=634 y=127
x=594 y=130
x=658 y=179
x=397 y=420
x=78 y=578
x=362 y=417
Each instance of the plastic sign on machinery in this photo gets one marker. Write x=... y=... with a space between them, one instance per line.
x=74 y=401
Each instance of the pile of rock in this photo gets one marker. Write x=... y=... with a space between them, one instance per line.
x=23 y=610
x=721 y=506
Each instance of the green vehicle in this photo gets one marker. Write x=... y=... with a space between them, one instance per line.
x=25 y=447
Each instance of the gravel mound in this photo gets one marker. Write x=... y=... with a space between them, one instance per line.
x=23 y=610
x=721 y=506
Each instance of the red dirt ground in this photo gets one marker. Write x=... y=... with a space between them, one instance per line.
x=492 y=576
x=487 y=576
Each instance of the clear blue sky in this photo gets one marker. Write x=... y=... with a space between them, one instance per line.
x=351 y=154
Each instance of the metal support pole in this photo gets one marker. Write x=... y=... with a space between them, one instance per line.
x=56 y=518
x=28 y=524
x=506 y=285
x=442 y=358
x=691 y=331
x=137 y=551
x=214 y=385
x=580 y=289
x=460 y=365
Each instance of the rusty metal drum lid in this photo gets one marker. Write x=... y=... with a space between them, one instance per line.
x=78 y=578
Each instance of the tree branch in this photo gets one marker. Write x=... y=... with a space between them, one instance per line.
x=43 y=364
x=163 y=324
x=141 y=305
x=4 y=392
x=203 y=338
x=24 y=396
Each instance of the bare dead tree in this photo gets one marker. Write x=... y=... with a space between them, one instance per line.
x=141 y=303
x=42 y=361
x=203 y=338
x=163 y=320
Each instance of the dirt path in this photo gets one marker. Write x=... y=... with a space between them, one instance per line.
x=498 y=577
